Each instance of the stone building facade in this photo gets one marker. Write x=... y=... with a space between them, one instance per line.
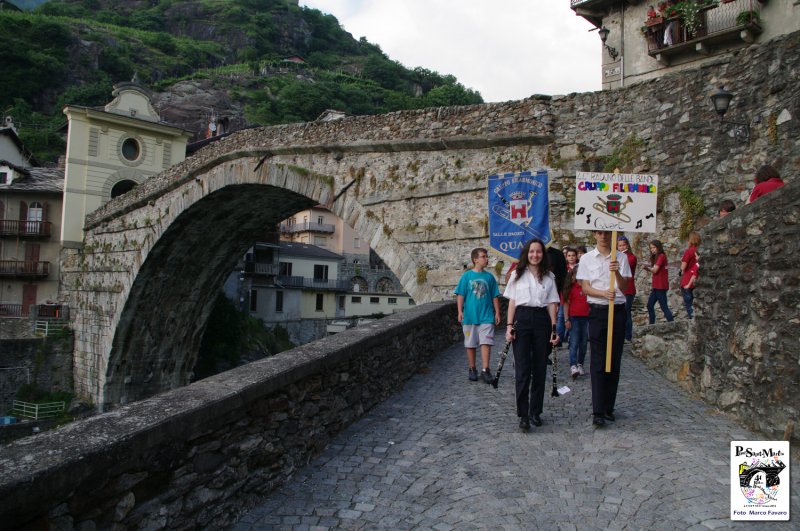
x=647 y=40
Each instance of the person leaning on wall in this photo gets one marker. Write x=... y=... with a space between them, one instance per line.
x=767 y=179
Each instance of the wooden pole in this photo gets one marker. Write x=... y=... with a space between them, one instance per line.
x=611 y=286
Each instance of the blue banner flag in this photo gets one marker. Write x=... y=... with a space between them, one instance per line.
x=519 y=210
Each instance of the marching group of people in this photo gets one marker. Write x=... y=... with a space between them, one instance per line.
x=553 y=295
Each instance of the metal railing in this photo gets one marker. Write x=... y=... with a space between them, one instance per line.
x=259 y=268
x=714 y=21
x=49 y=327
x=50 y=311
x=307 y=226
x=313 y=283
x=15 y=227
x=38 y=411
x=8 y=309
x=23 y=268
x=35 y=311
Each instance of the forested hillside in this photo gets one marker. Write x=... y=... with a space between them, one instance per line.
x=200 y=56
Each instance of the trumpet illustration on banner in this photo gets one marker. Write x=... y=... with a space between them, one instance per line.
x=613 y=206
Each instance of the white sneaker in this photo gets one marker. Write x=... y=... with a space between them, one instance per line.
x=574 y=371
x=580 y=369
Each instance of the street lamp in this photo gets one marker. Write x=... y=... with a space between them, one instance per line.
x=604 y=31
x=721 y=101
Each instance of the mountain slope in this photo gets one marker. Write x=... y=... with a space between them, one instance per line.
x=202 y=57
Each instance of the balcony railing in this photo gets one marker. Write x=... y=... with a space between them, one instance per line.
x=25 y=229
x=9 y=309
x=307 y=226
x=24 y=269
x=738 y=19
x=36 y=311
x=313 y=283
x=259 y=268
x=50 y=311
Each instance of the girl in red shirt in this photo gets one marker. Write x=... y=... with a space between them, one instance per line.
x=576 y=317
x=658 y=267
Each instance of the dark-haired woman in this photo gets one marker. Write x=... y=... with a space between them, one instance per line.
x=767 y=179
x=658 y=267
x=532 y=306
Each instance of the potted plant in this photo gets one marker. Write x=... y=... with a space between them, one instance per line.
x=748 y=17
x=653 y=18
x=692 y=15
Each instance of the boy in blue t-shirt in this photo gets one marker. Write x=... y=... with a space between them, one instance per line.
x=478 y=311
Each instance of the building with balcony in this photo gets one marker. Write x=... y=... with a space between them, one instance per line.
x=320 y=227
x=648 y=39
x=30 y=210
x=291 y=284
x=109 y=151
x=312 y=291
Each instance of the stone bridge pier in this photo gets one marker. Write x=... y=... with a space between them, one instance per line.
x=153 y=261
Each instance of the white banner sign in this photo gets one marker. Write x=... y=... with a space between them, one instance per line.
x=616 y=201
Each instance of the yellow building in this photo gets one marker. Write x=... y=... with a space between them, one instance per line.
x=110 y=151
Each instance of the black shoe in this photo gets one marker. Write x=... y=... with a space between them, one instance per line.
x=598 y=421
x=473 y=374
x=524 y=424
x=537 y=420
x=609 y=416
x=486 y=374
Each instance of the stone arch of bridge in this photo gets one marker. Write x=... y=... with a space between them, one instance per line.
x=138 y=331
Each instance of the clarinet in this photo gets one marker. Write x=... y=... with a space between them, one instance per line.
x=502 y=361
x=554 y=392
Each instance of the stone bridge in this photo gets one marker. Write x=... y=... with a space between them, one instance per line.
x=412 y=184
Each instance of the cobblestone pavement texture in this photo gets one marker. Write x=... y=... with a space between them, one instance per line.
x=447 y=453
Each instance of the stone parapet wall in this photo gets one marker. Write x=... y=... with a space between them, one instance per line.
x=741 y=352
x=199 y=456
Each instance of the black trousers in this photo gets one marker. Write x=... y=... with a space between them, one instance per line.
x=531 y=347
x=604 y=384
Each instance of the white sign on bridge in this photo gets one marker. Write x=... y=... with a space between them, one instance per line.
x=616 y=201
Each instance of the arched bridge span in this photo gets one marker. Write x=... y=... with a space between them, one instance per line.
x=154 y=259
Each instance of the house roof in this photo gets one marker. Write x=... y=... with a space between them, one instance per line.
x=37 y=180
x=307 y=250
x=12 y=134
x=100 y=113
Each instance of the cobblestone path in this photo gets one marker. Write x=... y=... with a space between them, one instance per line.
x=446 y=453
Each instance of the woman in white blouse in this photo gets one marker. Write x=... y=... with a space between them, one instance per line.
x=532 y=307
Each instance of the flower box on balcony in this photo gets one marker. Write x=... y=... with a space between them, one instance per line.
x=653 y=21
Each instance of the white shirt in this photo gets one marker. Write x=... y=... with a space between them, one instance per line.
x=594 y=267
x=528 y=291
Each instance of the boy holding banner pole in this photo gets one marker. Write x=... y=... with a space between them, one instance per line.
x=604 y=274
x=604 y=204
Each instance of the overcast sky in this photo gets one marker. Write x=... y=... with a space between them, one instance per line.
x=505 y=49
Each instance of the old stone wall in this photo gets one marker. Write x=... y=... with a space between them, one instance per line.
x=741 y=352
x=15 y=327
x=43 y=362
x=198 y=456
